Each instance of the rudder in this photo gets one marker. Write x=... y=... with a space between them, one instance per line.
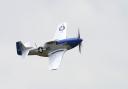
x=19 y=47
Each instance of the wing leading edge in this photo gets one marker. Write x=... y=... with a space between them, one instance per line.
x=55 y=59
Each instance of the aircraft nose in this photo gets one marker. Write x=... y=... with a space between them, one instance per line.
x=80 y=40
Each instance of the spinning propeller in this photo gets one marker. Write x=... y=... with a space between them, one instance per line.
x=80 y=44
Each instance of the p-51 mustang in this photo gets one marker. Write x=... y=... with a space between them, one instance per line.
x=54 y=50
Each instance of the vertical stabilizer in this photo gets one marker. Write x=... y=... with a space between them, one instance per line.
x=22 y=50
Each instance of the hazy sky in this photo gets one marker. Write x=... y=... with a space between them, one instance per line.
x=103 y=63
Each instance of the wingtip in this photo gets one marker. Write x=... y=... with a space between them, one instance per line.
x=53 y=69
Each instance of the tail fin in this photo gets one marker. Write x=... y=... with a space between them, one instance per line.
x=21 y=49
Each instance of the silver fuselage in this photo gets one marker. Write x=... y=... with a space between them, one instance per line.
x=49 y=47
x=55 y=46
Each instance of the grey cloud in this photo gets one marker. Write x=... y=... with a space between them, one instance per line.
x=103 y=62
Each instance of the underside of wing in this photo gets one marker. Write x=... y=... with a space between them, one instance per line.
x=61 y=32
x=55 y=59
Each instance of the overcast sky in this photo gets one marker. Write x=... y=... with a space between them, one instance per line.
x=103 y=63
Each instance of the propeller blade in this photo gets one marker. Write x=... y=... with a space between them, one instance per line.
x=78 y=33
x=80 y=47
x=80 y=42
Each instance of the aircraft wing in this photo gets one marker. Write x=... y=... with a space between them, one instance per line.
x=60 y=32
x=55 y=59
